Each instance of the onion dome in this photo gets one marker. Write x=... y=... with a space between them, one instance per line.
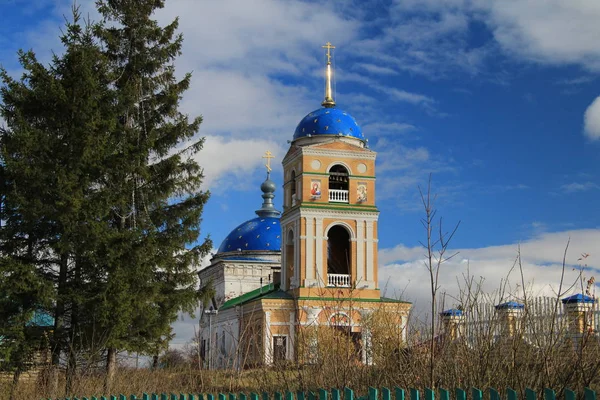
x=258 y=234
x=328 y=121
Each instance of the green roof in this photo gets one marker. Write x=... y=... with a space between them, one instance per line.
x=270 y=291
x=390 y=300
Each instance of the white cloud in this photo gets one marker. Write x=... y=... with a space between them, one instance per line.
x=579 y=187
x=229 y=162
x=591 y=120
x=403 y=270
x=549 y=31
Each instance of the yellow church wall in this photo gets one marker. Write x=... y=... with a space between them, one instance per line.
x=336 y=293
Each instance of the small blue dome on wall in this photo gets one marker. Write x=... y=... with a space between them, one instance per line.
x=328 y=121
x=258 y=234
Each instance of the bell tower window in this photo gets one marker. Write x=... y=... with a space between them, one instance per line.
x=293 y=187
x=338 y=184
x=338 y=257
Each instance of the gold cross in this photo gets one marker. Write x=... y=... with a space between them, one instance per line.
x=328 y=46
x=268 y=155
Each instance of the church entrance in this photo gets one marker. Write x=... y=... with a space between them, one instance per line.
x=348 y=340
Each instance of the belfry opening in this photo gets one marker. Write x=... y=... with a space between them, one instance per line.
x=338 y=177
x=338 y=255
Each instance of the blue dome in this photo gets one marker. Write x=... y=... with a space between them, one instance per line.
x=328 y=121
x=258 y=234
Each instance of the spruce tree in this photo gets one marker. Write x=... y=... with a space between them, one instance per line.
x=54 y=150
x=155 y=182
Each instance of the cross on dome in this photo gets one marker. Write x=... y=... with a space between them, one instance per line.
x=268 y=155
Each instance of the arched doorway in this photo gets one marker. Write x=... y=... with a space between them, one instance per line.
x=338 y=257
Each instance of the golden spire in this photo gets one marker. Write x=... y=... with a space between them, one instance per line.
x=328 y=102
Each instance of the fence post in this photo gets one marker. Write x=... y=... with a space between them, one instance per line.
x=144 y=396
x=300 y=395
x=372 y=393
x=399 y=393
x=348 y=394
x=460 y=394
x=232 y=396
x=386 y=394
x=414 y=394
x=589 y=394
x=511 y=394
x=222 y=396
x=335 y=395
x=445 y=395
x=494 y=395
x=429 y=394
x=288 y=396
x=323 y=394
x=530 y=394
x=253 y=396
x=190 y=397
x=277 y=396
x=476 y=393
x=570 y=395
x=549 y=394
x=241 y=396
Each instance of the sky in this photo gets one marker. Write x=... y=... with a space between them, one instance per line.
x=497 y=100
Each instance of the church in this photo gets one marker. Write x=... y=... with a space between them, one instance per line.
x=282 y=280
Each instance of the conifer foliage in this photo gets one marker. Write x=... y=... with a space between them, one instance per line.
x=101 y=195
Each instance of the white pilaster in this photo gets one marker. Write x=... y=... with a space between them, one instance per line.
x=291 y=344
x=296 y=275
x=310 y=257
x=360 y=255
x=370 y=252
x=319 y=251
x=268 y=338
x=284 y=263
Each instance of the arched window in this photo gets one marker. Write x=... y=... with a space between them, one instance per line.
x=338 y=257
x=293 y=188
x=338 y=184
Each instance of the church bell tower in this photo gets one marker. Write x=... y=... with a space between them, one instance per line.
x=329 y=223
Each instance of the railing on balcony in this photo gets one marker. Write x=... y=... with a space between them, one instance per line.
x=338 y=280
x=338 y=196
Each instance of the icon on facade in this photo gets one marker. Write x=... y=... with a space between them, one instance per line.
x=361 y=192
x=315 y=189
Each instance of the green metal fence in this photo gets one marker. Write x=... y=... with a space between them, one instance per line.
x=348 y=394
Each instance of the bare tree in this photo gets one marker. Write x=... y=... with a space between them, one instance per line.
x=435 y=255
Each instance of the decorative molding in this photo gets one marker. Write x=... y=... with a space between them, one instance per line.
x=339 y=214
x=339 y=162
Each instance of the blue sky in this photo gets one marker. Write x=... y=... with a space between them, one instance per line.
x=494 y=98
